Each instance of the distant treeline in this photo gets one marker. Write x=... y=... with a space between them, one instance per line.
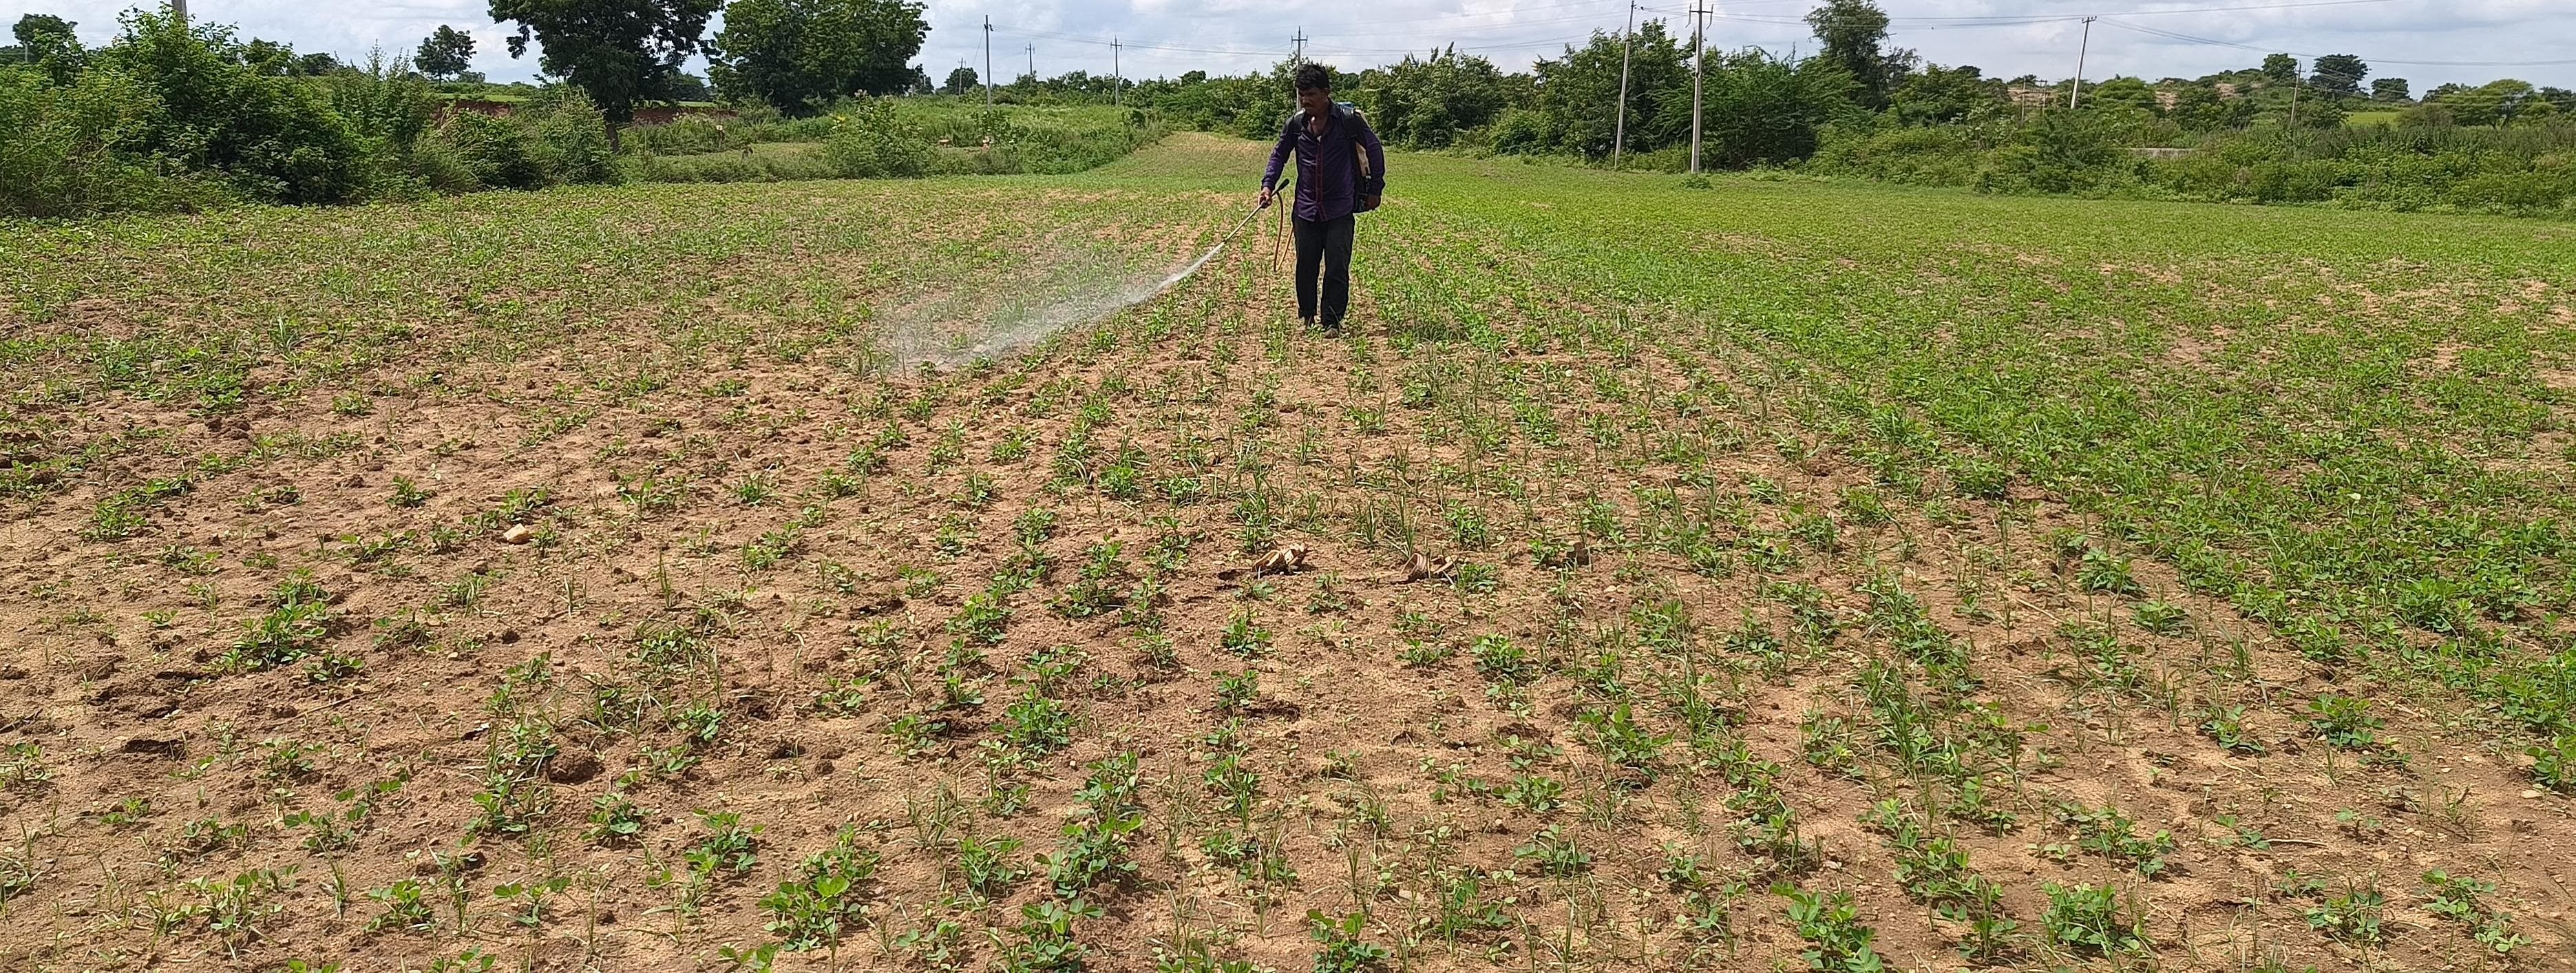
x=2278 y=132
x=177 y=116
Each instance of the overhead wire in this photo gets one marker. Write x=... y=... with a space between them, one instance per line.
x=2187 y=38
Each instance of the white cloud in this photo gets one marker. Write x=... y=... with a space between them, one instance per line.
x=1166 y=37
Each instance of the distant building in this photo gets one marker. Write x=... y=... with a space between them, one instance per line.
x=2029 y=97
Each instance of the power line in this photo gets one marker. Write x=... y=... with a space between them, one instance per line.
x=2014 y=20
x=2158 y=32
x=1242 y=51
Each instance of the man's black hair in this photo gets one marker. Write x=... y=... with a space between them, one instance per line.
x=1313 y=77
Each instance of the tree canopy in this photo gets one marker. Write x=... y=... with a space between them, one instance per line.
x=445 y=53
x=1578 y=93
x=798 y=55
x=1854 y=33
x=618 y=52
x=2340 y=74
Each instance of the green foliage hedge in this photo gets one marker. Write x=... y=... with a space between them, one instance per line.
x=2528 y=171
x=174 y=116
x=890 y=138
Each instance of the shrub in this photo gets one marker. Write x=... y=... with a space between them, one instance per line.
x=1912 y=155
x=274 y=138
x=869 y=142
x=65 y=151
x=487 y=152
x=555 y=139
x=569 y=136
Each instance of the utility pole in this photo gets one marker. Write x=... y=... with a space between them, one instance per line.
x=1116 y=79
x=1619 y=129
x=2294 y=100
x=1300 y=57
x=1033 y=64
x=1699 y=63
x=2080 y=50
x=179 y=9
x=988 y=60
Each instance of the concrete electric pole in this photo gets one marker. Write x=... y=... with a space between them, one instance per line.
x=1699 y=59
x=1619 y=129
x=2080 y=50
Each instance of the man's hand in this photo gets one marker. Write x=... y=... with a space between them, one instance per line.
x=1266 y=194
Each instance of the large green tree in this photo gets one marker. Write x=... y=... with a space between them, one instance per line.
x=1578 y=93
x=40 y=35
x=445 y=53
x=799 y=55
x=2340 y=74
x=619 y=52
x=1428 y=102
x=1940 y=96
x=1854 y=33
x=1763 y=110
x=48 y=40
x=2493 y=103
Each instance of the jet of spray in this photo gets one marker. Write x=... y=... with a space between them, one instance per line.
x=914 y=336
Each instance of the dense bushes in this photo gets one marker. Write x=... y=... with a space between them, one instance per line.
x=73 y=150
x=175 y=116
x=890 y=138
x=869 y=142
x=272 y=138
x=2523 y=171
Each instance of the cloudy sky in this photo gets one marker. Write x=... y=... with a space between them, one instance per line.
x=2449 y=40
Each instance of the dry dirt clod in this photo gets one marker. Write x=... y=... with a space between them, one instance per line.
x=152 y=747
x=1423 y=565
x=573 y=767
x=1281 y=560
x=518 y=534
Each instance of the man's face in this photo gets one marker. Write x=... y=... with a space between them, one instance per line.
x=1314 y=100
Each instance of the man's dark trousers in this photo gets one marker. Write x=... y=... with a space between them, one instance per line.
x=1324 y=246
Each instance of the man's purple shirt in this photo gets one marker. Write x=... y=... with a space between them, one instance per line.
x=1328 y=176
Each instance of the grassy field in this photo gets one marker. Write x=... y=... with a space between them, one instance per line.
x=1821 y=576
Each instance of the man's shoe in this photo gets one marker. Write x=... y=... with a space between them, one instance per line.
x=1332 y=329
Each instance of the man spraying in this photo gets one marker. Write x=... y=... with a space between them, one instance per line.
x=1341 y=170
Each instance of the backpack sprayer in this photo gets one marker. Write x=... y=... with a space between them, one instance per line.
x=1372 y=187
